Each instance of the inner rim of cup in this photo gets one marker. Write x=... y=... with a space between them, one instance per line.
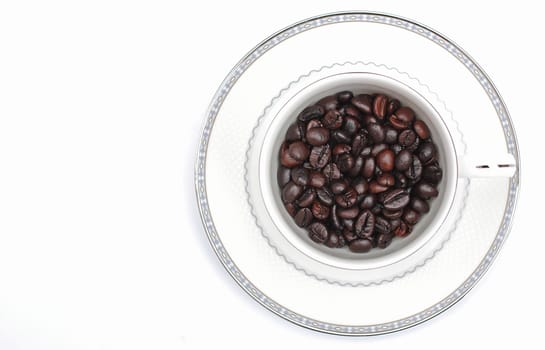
x=358 y=82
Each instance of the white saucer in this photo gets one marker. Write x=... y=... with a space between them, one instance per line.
x=299 y=289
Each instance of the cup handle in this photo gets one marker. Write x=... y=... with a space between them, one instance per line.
x=503 y=165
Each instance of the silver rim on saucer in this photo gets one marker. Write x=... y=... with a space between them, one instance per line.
x=239 y=69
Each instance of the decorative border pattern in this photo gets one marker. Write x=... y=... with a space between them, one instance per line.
x=277 y=38
x=464 y=186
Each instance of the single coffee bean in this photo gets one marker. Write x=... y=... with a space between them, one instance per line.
x=368 y=201
x=360 y=185
x=314 y=123
x=298 y=151
x=320 y=156
x=376 y=132
x=427 y=153
x=311 y=112
x=407 y=138
x=384 y=240
x=349 y=213
x=401 y=180
x=356 y=168
x=341 y=148
x=382 y=225
x=352 y=111
x=325 y=196
x=432 y=173
x=283 y=176
x=365 y=224
x=306 y=199
x=414 y=172
x=303 y=218
x=388 y=214
x=344 y=96
x=425 y=190
x=347 y=199
x=368 y=169
x=395 y=199
x=380 y=106
x=349 y=235
x=340 y=136
x=403 y=160
x=402 y=230
x=335 y=220
x=332 y=172
x=317 y=136
x=385 y=160
x=364 y=103
x=320 y=211
x=378 y=148
x=295 y=132
x=339 y=186
x=361 y=140
x=329 y=102
x=332 y=119
x=345 y=162
x=285 y=158
x=374 y=187
x=393 y=105
x=351 y=125
x=318 y=232
x=300 y=176
x=402 y=118
x=419 y=205
x=316 y=179
x=386 y=179
x=390 y=135
x=421 y=129
x=348 y=223
x=290 y=192
x=332 y=241
x=360 y=245
x=410 y=216
x=291 y=209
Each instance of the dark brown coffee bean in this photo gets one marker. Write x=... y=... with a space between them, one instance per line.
x=364 y=103
x=365 y=224
x=407 y=138
x=427 y=153
x=366 y=152
x=345 y=162
x=395 y=199
x=386 y=179
x=368 y=169
x=317 y=136
x=388 y=214
x=410 y=216
x=295 y=132
x=340 y=136
x=361 y=140
x=348 y=223
x=314 y=123
x=369 y=119
x=374 y=187
x=349 y=235
x=390 y=135
x=291 y=192
x=306 y=199
x=316 y=179
x=351 y=111
x=432 y=173
x=402 y=118
x=320 y=156
x=318 y=232
x=425 y=190
x=344 y=96
x=291 y=209
x=380 y=106
x=419 y=205
x=403 y=160
x=298 y=151
x=414 y=172
x=332 y=241
x=339 y=186
x=368 y=201
x=283 y=176
x=402 y=230
x=395 y=222
x=414 y=146
x=349 y=213
x=285 y=158
x=311 y=112
x=332 y=172
x=332 y=119
x=341 y=148
x=401 y=180
x=377 y=209
x=382 y=225
x=303 y=217
x=300 y=176
x=325 y=196
x=378 y=148
x=360 y=185
x=335 y=219
x=421 y=129
x=386 y=160
x=320 y=211
x=393 y=105
x=384 y=240
x=356 y=168
x=329 y=102
x=360 y=245
x=347 y=199
x=351 y=125
x=376 y=132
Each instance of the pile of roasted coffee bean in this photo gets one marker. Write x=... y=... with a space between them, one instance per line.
x=358 y=170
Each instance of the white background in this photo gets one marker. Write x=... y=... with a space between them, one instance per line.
x=101 y=104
